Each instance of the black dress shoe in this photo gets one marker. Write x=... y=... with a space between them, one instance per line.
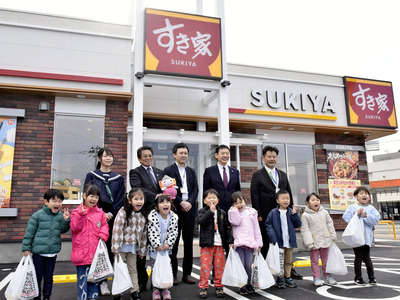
x=295 y=275
x=176 y=281
x=188 y=280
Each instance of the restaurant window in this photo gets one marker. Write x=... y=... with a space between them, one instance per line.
x=298 y=163
x=77 y=139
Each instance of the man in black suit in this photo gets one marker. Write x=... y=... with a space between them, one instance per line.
x=222 y=178
x=265 y=183
x=185 y=203
x=145 y=177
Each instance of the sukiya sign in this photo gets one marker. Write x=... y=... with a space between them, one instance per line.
x=292 y=101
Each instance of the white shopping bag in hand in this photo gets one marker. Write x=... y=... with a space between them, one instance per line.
x=275 y=259
x=101 y=267
x=336 y=263
x=122 y=279
x=234 y=272
x=261 y=276
x=353 y=235
x=161 y=275
x=23 y=285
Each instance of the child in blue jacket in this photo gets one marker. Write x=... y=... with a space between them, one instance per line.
x=281 y=223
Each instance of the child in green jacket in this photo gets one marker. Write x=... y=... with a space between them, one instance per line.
x=43 y=238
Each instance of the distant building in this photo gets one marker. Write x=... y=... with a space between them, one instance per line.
x=384 y=178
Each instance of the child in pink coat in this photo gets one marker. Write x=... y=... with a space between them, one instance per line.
x=88 y=225
x=246 y=234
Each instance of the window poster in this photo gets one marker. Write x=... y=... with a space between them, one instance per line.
x=342 y=174
x=342 y=164
x=341 y=192
x=7 y=144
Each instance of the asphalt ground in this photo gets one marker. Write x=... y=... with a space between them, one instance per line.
x=385 y=256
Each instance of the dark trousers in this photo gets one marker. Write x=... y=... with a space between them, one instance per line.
x=265 y=238
x=141 y=272
x=44 y=267
x=186 y=224
x=362 y=254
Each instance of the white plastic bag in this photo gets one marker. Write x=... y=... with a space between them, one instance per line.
x=234 y=272
x=261 y=276
x=122 y=279
x=161 y=275
x=23 y=285
x=101 y=267
x=353 y=235
x=336 y=263
x=275 y=259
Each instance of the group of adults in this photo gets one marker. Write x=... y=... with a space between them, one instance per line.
x=221 y=177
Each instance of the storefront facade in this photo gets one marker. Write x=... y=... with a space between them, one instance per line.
x=68 y=86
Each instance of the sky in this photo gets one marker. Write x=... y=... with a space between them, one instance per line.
x=343 y=37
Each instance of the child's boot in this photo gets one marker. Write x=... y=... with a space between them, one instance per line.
x=156 y=294
x=219 y=291
x=166 y=295
x=329 y=280
x=135 y=296
x=203 y=294
x=290 y=283
x=280 y=283
x=318 y=282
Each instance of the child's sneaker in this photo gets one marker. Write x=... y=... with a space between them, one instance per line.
x=104 y=289
x=166 y=295
x=372 y=281
x=318 y=282
x=156 y=294
x=290 y=283
x=329 y=280
x=280 y=283
x=219 y=291
x=243 y=291
x=359 y=281
x=203 y=294
x=250 y=289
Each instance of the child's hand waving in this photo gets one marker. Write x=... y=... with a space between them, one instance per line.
x=294 y=210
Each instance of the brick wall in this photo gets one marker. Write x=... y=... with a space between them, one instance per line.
x=32 y=161
x=33 y=156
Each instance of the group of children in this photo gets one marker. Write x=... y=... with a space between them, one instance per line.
x=134 y=233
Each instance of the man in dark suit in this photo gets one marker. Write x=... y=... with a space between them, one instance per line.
x=222 y=178
x=265 y=183
x=145 y=177
x=186 y=206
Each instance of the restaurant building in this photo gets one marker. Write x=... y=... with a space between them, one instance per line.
x=70 y=86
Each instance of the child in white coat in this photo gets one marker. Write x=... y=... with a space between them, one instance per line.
x=318 y=234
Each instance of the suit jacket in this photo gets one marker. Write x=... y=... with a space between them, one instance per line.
x=139 y=177
x=212 y=180
x=192 y=186
x=263 y=191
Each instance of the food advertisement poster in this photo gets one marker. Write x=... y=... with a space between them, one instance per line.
x=181 y=44
x=342 y=164
x=341 y=192
x=7 y=144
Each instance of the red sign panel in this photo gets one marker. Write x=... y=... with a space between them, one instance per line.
x=370 y=103
x=183 y=45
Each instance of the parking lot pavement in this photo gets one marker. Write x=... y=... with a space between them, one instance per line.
x=385 y=256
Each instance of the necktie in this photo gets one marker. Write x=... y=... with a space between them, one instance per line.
x=152 y=177
x=225 y=177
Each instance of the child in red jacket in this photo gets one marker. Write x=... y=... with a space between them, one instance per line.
x=88 y=225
